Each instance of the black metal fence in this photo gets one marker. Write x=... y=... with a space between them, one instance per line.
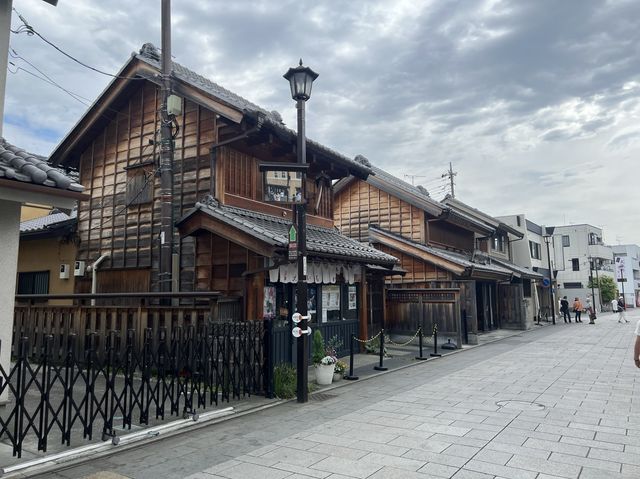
x=121 y=379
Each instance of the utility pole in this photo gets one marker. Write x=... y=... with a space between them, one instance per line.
x=166 y=157
x=413 y=178
x=450 y=174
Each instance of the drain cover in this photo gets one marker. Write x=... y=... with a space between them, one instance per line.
x=322 y=396
x=520 y=405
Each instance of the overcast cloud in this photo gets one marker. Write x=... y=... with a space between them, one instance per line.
x=535 y=102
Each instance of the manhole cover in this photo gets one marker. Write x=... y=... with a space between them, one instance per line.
x=520 y=405
x=322 y=396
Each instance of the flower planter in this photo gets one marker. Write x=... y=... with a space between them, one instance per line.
x=337 y=376
x=324 y=374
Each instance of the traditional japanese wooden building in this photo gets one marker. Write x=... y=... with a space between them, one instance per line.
x=233 y=217
x=449 y=279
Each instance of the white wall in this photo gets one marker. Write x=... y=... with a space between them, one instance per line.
x=9 y=239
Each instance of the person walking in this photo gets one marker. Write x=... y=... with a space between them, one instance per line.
x=564 y=309
x=577 y=308
x=622 y=310
x=636 y=347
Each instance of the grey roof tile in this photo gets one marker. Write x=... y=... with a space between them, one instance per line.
x=274 y=230
x=46 y=222
x=19 y=165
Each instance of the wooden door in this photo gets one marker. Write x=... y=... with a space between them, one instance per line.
x=511 y=305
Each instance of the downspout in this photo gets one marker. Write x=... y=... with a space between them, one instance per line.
x=94 y=275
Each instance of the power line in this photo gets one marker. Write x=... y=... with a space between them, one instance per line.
x=29 y=30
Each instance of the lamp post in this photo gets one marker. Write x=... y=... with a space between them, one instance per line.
x=593 y=292
x=547 y=240
x=300 y=80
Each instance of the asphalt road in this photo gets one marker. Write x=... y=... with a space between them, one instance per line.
x=560 y=401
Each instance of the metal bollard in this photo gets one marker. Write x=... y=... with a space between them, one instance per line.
x=435 y=343
x=351 y=377
x=421 y=357
x=380 y=366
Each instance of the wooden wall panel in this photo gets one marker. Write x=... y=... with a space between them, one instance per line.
x=360 y=204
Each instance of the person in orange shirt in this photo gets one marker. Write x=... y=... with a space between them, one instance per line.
x=577 y=308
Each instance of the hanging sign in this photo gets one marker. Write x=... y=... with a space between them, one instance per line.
x=293 y=243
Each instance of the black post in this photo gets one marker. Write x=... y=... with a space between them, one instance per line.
x=268 y=359
x=351 y=377
x=301 y=287
x=547 y=240
x=592 y=313
x=465 y=326
x=435 y=343
x=420 y=338
x=380 y=366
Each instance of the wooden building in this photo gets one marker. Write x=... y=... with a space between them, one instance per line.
x=440 y=249
x=233 y=225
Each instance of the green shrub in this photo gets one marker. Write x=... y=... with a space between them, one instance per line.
x=284 y=381
x=317 y=347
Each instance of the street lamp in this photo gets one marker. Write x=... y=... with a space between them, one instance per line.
x=547 y=240
x=301 y=79
x=592 y=314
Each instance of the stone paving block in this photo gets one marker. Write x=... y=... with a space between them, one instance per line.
x=566 y=431
x=259 y=460
x=615 y=456
x=359 y=468
x=245 y=470
x=462 y=440
x=393 y=461
x=222 y=466
x=467 y=474
x=514 y=449
x=425 y=445
x=377 y=447
x=498 y=470
x=461 y=451
x=496 y=457
x=293 y=456
x=345 y=452
x=393 y=473
x=593 y=443
x=301 y=471
x=586 y=462
x=553 y=446
x=545 y=466
x=478 y=434
x=438 y=470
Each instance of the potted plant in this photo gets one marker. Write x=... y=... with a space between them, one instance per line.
x=338 y=370
x=324 y=370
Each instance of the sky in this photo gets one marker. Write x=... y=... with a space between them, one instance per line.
x=535 y=103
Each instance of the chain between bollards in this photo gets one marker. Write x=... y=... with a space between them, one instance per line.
x=435 y=343
x=351 y=376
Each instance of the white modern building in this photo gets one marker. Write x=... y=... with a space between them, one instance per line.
x=580 y=252
x=531 y=252
x=627 y=269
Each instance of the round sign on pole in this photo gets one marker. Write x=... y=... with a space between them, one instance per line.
x=546 y=282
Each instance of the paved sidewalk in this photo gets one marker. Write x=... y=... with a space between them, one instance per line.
x=554 y=402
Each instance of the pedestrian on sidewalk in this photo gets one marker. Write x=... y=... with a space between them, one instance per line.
x=622 y=310
x=564 y=309
x=577 y=308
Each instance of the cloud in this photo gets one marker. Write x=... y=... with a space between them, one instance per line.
x=528 y=99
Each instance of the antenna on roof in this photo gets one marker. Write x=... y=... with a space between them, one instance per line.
x=413 y=178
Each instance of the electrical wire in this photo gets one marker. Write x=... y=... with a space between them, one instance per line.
x=29 y=30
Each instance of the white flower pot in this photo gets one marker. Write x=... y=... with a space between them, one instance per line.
x=337 y=376
x=324 y=374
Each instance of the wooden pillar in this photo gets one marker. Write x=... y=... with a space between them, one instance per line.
x=364 y=305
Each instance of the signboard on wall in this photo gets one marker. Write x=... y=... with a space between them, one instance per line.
x=619 y=263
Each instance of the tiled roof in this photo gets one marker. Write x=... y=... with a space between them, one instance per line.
x=409 y=193
x=51 y=221
x=460 y=259
x=19 y=165
x=463 y=208
x=519 y=270
x=149 y=54
x=274 y=230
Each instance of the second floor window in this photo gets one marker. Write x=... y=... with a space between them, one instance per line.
x=36 y=282
x=534 y=249
x=499 y=243
x=575 y=264
x=139 y=185
x=565 y=241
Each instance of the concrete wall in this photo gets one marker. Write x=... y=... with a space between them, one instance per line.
x=9 y=239
x=47 y=255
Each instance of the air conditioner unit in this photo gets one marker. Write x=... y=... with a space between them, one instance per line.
x=64 y=271
x=79 y=268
